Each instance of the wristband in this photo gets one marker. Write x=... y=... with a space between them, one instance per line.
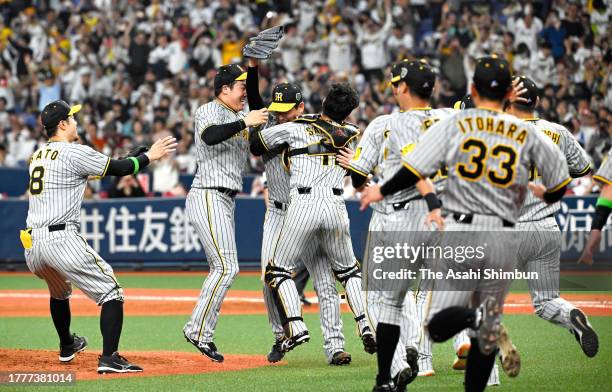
x=432 y=201
x=136 y=164
x=604 y=202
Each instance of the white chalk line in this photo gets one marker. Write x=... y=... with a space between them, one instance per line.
x=172 y=298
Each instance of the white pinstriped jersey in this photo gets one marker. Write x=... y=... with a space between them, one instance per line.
x=220 y=165
x=58 y=176
x=306 y=170
x=604 y=173
x=405 y=128
x=488 y=154
x=277 y=172
x=577 y=161
x=369 y=152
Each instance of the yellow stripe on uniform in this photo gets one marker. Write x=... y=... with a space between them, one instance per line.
x=106 y=167
x=358 y=171
x=602 y=179
x=583 y=171
x=561 y=185
x=263 y=142
x=222 y=264
x=413 y=170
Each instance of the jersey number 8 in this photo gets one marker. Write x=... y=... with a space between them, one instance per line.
x=36 y=180
x=502 y=176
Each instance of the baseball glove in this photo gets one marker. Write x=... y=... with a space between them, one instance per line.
x=262 y=45
x=137 y=151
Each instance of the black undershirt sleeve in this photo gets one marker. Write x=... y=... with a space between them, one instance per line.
x=216 y=134
x=357 y=179
x=125 y=166
x=256 y=146
x=252 y=87
x=553 y=197
x=403 y=179
x=601 y=217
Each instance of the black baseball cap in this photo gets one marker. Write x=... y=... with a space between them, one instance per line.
x=465 y=103
x=285 y=97
x=417 y=74
x=227 y=74
x=57 y=111
x=531 y=94
x=492 y=76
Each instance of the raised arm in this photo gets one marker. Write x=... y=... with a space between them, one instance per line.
x=252 y=85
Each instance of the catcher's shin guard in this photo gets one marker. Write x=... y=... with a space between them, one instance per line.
x=285 y=296
x=350 y=278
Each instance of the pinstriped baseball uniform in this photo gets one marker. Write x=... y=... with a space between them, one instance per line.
x=278 y=178
x=369 y=151
x=540 y=247
x=604 y=173
x=369 y=154
x=211 y=212
x=317 y=216
x=489 y=155
x=405 y=219
x=58 y=176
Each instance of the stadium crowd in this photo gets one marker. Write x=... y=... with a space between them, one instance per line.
x=142 y=68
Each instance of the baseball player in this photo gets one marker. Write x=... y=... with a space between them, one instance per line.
x=412 y=84
x=54 y=249
x=488 y=155
x=287 y=104
x=317 y=213
x=602 y=210
x=222 y=154
x=540 y=247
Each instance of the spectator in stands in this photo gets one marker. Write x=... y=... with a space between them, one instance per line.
x=127 y=186
x=3 y=156
x=49 y=89
x=371 y=42
x=46 y=55
x=527 y=29
x=341 y=41
x=554 y=34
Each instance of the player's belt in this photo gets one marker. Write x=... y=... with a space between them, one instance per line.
x=279 y=205
x=403 y=205
x=230 y=192
x=468 y=218
x=61 y=226
x=305 y=191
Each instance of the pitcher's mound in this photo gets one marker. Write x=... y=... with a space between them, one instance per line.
x=155 y=363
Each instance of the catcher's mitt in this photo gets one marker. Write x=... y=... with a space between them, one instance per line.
x=262 y=45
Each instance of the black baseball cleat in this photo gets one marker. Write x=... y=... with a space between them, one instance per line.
x=402 y=379
x=67 y=353
x=488 y=326
x=340 y=358
x=584 y=333
x=367 y=338
x=412 y=357
x=386 y=387
x=116 y=364
x=276 y=353
x=294 y=341
x=207 y=349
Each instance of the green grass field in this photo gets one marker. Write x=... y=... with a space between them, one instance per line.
x=551 y=359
